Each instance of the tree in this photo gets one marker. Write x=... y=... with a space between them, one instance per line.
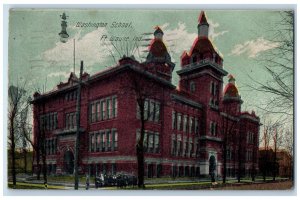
x=279 y=66
x=227 y=128
x=288 y=145
x=143 y=88
x=23 y=127
x=16 y=96
x=277 y=142
x=265 y=140
x=39 y=142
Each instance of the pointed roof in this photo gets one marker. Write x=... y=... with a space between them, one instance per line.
x=158 y=30
x=231 y=78
x=231 y=89
x=202 y=18
x=157 y=47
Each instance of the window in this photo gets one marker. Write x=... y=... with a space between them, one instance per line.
x=98 y=114
x=196 y=146
x=249 y=155
x=185 y=123
x=185 y=145
x=70 y=120
x=103 y=116
x=146 y=109
x=71 y=96
x=174 y=145
x=179 y=145
x=109 y=139
x=115 y=140
x=191 y=124
x=178 y=121
x=150 y=143
x=157 y=112
x=115 y=106
x=93 y=110
x=196 y=126
x=213 y=128
x=104 y=141
x=151 y=111
x=191 y=147
x=108 y=108
x=98 y=142
x=138 y=111
x=102 y=137
x=55 y=121
x=48 y=121
x=213 y=88
x=229 y=154
x=173 y=120
x=250 y=137
x=103 y=109
x=145 y=142
x=92 y=142
x=192 y=86
x=156 y=143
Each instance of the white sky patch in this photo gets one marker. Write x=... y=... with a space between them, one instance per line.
x=212 y=33
x=177 y=40
x=58 y=74
x=87 y=48
x=253 y=47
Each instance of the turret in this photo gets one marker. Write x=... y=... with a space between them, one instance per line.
x=158 y=59
x=203 y=26
x=232 y=100
x=158 y=34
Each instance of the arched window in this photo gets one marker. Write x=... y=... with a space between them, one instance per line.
x=192 y=86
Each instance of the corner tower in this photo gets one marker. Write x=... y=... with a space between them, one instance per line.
x=202 y=70
x=158 y=59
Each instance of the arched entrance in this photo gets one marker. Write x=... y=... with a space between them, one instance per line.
x=69 y=162
x=212 y=168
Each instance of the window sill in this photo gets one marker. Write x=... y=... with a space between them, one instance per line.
x=102 y=121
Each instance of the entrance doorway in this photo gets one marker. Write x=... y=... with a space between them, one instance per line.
x=212 y=167
x=69 y=162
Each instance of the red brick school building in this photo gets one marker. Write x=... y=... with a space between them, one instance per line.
x=187 y=127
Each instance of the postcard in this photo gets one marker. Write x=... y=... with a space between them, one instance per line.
x=131 y=99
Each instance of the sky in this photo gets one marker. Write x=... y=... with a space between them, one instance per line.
x=37 y=56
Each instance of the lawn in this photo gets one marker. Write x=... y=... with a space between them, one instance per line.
x=33 y=186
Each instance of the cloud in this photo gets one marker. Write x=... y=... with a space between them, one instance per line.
x=212 y=33
x=87 y=48
x=178 y=39
x=58 y=74
x=253 y=47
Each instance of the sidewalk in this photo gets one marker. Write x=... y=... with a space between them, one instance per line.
x=154 y=183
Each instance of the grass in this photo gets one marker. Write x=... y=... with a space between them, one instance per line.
x=67 y=179
x=34 y=186
x=285 y=185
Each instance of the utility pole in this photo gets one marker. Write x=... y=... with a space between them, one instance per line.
x=77 y=144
